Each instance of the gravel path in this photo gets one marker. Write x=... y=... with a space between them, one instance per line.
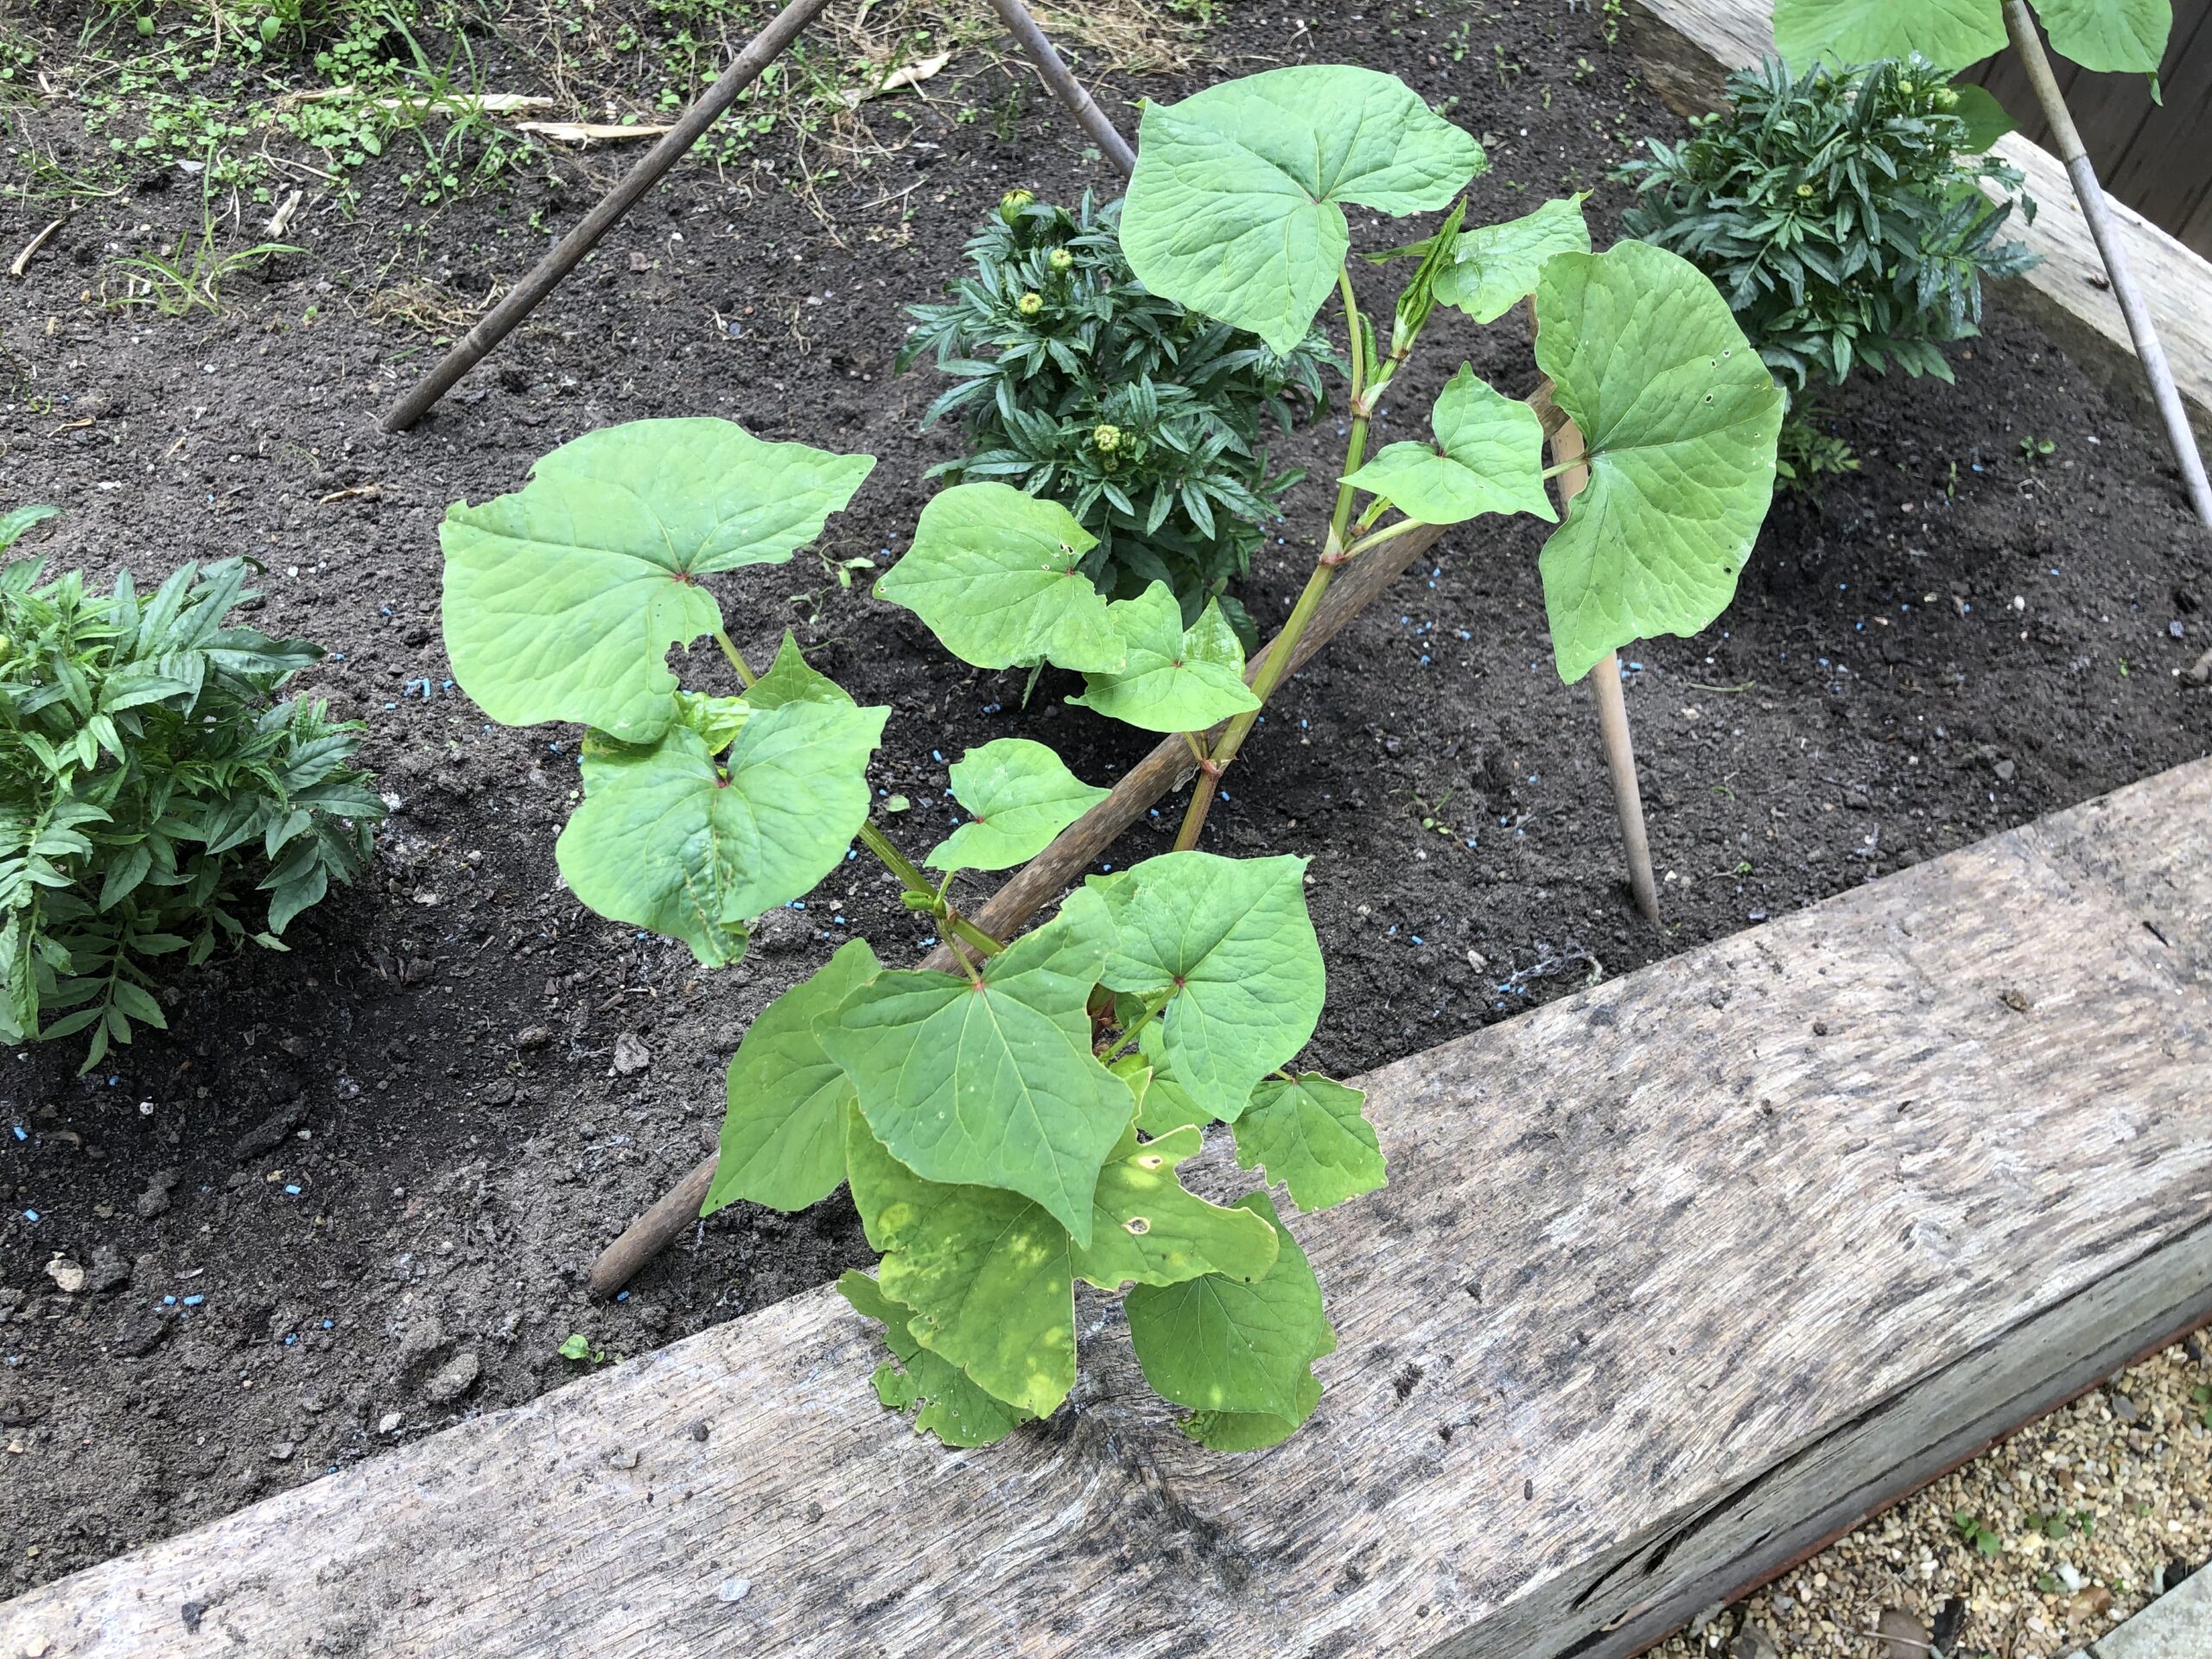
x=2036 y=1548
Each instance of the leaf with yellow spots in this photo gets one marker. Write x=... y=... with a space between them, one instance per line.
x=1147 y=1228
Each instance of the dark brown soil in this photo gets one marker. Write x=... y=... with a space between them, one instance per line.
x=353 y=1195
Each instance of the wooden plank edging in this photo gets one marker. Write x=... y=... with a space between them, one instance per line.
x=1674 y=1277
x=1687 y=46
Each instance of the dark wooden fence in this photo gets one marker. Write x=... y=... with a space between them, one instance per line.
x=2157 y=159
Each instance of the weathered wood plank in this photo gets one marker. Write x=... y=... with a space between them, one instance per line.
x=1674 y=1277
x=1687 y=46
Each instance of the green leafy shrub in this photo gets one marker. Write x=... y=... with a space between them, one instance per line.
x=1839 y=212
x=153 y=791
x=1077 y=384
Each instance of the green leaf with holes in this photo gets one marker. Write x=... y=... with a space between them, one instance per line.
x=1149 y=1230
x=1308 y=1134
x=562 y=599
x=1019 y=795
x=784 y=1139
x=1228 y=944
x=945 y=1400
x=994 y=1085
x=1679 y=417
x=2118 y=36
x=985 y=1272
x=1488 y=457
x=1234 y=207
x=997 y=576
x=670 y=839
x=1218 y=1345
x=1495 y=267
x=1175 y=679
x=1950 y=33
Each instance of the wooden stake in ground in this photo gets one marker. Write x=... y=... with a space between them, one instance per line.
x=2025 y=41
x=1605 y=683
x=760 y=52
x=1065 y=85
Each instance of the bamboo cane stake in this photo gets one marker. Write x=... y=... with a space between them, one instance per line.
x=1605 y=682
x=520 y=300
x=1019 y=24
x=2090 y=193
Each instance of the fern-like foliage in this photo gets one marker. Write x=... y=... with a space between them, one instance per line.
x=1841 y=212
x=1144 y=420
x=153 y=792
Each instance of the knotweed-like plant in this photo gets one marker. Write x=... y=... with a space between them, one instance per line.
x=1008 y=1129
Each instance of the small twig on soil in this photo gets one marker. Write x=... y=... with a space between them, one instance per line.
x=22 y=260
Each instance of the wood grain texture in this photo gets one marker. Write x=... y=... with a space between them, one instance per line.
x=1688 y=48
x=1671 y=1275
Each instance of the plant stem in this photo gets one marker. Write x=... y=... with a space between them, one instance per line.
x=1197 y=749
x=911 y=878
x=1324 y=571
x=2090 y=193
x=745 y=675
x=1130 y=1036
x=1403 y=527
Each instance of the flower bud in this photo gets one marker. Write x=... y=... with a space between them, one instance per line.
x=1060 y=259
x=1106 y=439
x=1946 y=99
x=1030 y=303
x=1012 y=203
x=1804 y=189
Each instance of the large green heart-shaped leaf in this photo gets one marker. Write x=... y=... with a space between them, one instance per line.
x=1175 y=679
x=985 y=1272
x=1308 y=1133
x=953 y=1407
x=1021 y=795
x=1950 y=33
x=561 y=600
x=997 y=576
x=784 y=1140
x=1233 y=210
x=2121 y=36
x=1679 y=417
x=668 y=838
x=1228 y=944
x=1495 y=267
x=1488 y=457
x=1216 y=1344
x=994 y=1085
x=1149 y=1229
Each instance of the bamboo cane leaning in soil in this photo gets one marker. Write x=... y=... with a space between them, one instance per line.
x=1065 y=85
x=1605 y=682
x=1037 y=883
x=760 y=52
x=2090 y=193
